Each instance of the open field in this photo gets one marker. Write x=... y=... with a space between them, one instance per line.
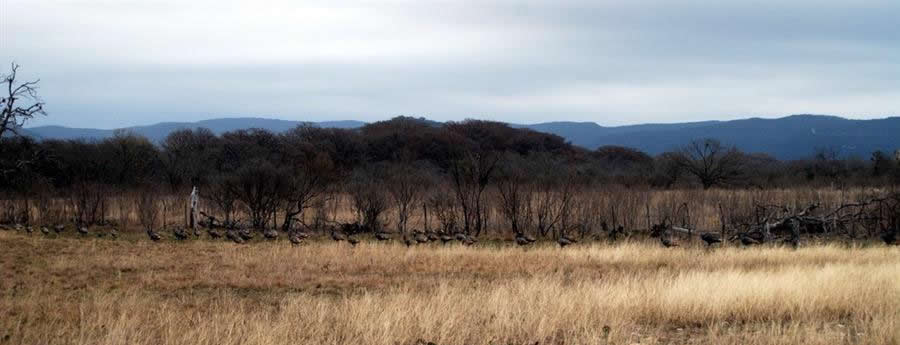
x=132 y=291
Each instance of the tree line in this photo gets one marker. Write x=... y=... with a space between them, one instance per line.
x=315 y=155
x=399 y=164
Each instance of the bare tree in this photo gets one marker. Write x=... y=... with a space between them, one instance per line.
x=259 y=185
x=553 y=195
x=711 y=162
x=148 y=210
x=470 y=176
x=311 y=174
x=13 y=116
x=445 y=209
x=516 y=193
x=406 y=183
x=367 y=191
x=222 y=196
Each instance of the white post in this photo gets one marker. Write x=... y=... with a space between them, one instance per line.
x=194 y=198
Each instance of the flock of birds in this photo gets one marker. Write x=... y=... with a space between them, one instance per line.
x=346 y=233
x=60 y=228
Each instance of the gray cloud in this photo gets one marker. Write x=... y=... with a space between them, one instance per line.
x=118 y=63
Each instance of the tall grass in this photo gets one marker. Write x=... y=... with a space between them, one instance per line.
x=92 y=291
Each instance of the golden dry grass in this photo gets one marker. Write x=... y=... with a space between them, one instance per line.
x=97 y=291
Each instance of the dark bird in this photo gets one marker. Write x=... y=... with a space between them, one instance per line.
x=421 y=238
x=270 y=234
x=59 y=228
x=565 y=240
x=524 y=240
x=446 y=238
x=794 y=241
x=890 y=238
x=29 y=229
x=382 y=236
x=114 y=233
x=352 y=241
x=747 y=240
x=338 y=236
x=296 y=240
x=407 y=241
x=45 y=230
x=667 y=242
x=179 y=233
x=245 y=234
x=710 y=238
x=460 y=237
x=197 y=232
x=153 y=235
x=83 y=230
x=234 y=236
x=431 y=236
x=213 y=233
x=470 y=240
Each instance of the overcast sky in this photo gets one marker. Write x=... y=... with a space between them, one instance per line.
x=115 y=63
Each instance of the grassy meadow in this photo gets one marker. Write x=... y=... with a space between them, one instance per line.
x=71 y=290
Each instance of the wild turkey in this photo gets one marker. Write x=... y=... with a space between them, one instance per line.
x=794 y=241
x=446 y=238
x=407 y=241
x=421 y=238
x=213 y=233
x=296 y=240
x=196 y=232
x=431 y=236
x=565 y=240
x=270 y=234
x=29 y=229
x=470 y=240
x=710 y=238
x=153 y=235
x=114 y=233
x=524 y=240
x=59 y=228
x=616 y=232
x=19 y=227
x=890 y=238
x=460 y=237
x=529 y=238
x=667 y=242
x=350 y=228
x=234 y=236
x=338 y=236
x=45 y=230
x=245 y=234
x=83 y=230
x=179 y=233
x=382 y=236
x=747 y=240
x=352 y=241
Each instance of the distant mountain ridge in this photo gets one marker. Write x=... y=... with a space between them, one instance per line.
x=160 y=130
x=791 y=137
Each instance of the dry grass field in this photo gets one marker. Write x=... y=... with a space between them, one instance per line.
x=70 y=290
